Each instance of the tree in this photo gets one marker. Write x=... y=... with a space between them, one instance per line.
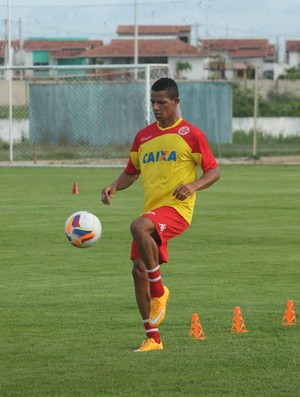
x=182 y=66
x=251 y=72
x=293 y=74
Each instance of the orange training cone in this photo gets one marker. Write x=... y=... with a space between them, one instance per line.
x=196 y=330
x=238 y=324
x=75 y=188
x=289 y=317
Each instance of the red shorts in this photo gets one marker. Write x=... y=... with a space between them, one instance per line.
x=168 y=223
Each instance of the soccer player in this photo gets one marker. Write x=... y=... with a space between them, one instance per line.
x=166 y=154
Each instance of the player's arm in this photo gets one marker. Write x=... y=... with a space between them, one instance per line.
x=207 y=179
x=122 y=182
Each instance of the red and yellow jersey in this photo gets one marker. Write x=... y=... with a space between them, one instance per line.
x=166 y=158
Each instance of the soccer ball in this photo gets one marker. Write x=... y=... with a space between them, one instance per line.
x=83 y=229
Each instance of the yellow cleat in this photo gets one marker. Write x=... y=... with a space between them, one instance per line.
x=149 y=345
x=158 y=308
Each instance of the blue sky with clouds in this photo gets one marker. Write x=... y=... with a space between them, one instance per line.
x=277 y=20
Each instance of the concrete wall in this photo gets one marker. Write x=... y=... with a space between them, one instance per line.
x=275 y=126
x=278 y=86
x=19 y=93
x=20 y=130
x=294 y=59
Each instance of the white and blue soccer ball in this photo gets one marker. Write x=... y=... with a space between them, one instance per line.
x=83 y=229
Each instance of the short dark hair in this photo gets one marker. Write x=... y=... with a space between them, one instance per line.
x=166 y=84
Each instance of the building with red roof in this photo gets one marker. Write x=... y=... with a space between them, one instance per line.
x=292 y=53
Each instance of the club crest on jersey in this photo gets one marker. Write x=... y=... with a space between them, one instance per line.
x=183 y=130
x=160 y=155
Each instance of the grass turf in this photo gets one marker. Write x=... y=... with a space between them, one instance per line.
x=69 y=320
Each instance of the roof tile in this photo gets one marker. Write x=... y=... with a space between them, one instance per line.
x=35 y=45
x=292 y=46
x=237 y=48
x=146 y=48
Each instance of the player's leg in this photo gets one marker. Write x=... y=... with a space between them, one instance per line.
x=146 y=237
x=142 y=293
x=141 y=286
x=144 y=233
x=147 y=240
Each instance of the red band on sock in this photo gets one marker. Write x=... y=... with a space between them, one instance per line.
x=151 y=332
x=155 y=281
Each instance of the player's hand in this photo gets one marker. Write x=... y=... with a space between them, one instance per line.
x=107 y=195
x=182 y=192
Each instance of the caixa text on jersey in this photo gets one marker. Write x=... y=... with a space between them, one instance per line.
x=160 y=155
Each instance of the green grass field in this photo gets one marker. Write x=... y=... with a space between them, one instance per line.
x=69 y=320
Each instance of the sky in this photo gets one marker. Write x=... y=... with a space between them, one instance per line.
x=276 y=20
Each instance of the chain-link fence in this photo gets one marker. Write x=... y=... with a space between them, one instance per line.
x=90 y=114
x=75 y=114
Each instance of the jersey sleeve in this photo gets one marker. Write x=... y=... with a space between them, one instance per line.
x=133 y=165
x=130 y=168
x=208 y=160
x=201 y=151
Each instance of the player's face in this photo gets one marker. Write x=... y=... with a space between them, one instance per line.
x=164 y=108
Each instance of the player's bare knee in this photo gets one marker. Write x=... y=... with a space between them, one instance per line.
x=140 y=227
x=136 y=228
x=139 y=270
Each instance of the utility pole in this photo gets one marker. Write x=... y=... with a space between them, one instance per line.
x=277 y=50
x=21 y=52
x=254 y=150
x=196 y=33
x=9 y=52
x=9 y=77
x=136 y=44
x=20 y=34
